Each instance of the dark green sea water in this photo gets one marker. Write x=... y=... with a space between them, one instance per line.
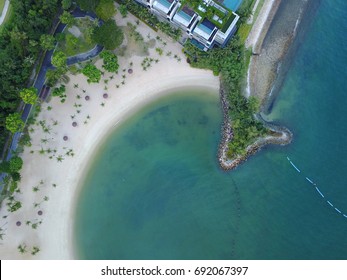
x=155 y=190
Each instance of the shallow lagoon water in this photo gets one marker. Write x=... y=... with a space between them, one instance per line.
x=155 y=190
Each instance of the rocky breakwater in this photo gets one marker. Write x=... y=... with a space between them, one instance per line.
x=277 y=135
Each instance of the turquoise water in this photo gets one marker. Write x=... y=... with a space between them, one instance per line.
x=155 y=190
x=232 y=4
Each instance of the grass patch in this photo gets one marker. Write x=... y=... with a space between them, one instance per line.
x=245 y=28
x=2 y=4
x=79 y=41
x=243 y=31
x=136 y=44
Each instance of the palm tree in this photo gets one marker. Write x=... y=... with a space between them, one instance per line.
x=22 y=248
x=35 y=250
x=60 y=158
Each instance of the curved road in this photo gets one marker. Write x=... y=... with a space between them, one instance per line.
x=41 y=77
x=4 y=11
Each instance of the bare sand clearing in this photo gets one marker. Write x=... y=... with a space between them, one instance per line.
x=54 y=166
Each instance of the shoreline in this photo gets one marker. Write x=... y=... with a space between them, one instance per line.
x=53 y=170
x=264 y=87
x=111 y=128
x=54 y=233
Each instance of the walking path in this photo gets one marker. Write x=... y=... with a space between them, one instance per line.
x=4 y=11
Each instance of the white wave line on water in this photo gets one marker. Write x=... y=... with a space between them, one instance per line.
x=308 y=179
x=297 y=169
x=319 y=192
x=317 y=189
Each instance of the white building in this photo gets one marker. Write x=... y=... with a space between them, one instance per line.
x=202 y=30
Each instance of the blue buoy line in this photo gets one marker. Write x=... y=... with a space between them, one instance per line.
x=317 y=189
x=297 y=169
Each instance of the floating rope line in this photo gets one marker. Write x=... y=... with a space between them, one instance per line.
x=317 y=189
x=297 y=169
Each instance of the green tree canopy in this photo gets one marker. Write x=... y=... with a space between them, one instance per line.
x=16 y=164
x=59 y=60
x=88 y=5
x=123 y=10
x=71 y=42
x=66 y=4
x=106 y=9
x=108 y=35
x=29 y=95
x=67 y=19
x=14 y=122
x=92 y=73
x=47 y=42
x=110 y=61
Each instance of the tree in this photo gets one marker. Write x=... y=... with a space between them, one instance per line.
x=60 y=37
x=106 y=9
x=29 y=95
x=67 y=19
x=92 y=73
x=71 y=42
x=14 y=122
x=59 y=60
x=123 y=10
x=110 y=61
x=16 y=164
x=53 y=76
x=66 y=4
x=108 y=35
x=88 y=5
x=47 y=42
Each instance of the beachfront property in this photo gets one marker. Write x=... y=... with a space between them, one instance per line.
x=206 y=22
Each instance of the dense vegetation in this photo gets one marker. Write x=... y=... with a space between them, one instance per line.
x=19 y=48
x=231 y=63
x=92 y=73
x=88 y=5
x=108 y=35
x=110 y=61
x=72 y=45
x=105 y=9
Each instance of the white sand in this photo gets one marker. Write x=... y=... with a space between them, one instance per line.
x=54 y=235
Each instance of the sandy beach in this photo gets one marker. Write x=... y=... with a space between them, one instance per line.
x=54 y=167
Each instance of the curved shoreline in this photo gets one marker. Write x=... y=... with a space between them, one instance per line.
x=96 y=117
x=108 y=128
